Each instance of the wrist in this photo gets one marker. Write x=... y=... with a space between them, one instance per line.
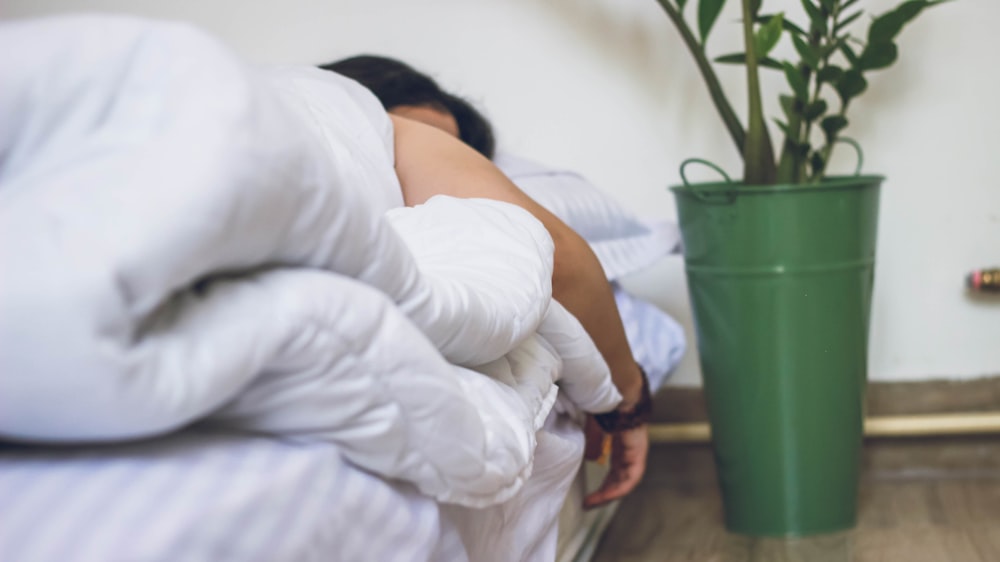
x=630 y=413
x=632 y=391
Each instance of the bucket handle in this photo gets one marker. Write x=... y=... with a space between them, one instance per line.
x=725 y=197
x=857 y=150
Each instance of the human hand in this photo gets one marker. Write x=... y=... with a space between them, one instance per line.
x=629 y=449
x=597 y=444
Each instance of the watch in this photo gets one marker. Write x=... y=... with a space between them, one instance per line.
x=616 y=420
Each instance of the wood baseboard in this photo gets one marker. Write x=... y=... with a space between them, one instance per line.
x=920 y=425
x=941 y=455
x=884 y=399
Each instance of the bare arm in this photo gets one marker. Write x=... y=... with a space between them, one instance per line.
x=430 y=162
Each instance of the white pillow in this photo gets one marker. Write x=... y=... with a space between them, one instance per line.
x=623 y=242
x=657 y=340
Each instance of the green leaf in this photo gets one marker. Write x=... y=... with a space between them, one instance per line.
x=809 y=56
x=791 y=106
x=799 y=149
x=787 y=25
x=708 y=12
x=829 y=48
x=847 y=21
x=832 y=125
x=783 y=126
x=849 y=54
x=767 y=36
x=848 y=4
x=816 y=17
x=817 y=162
x=878 y=55
x=814 y=110
x=755 y=7
x=826 y=50
x=828 y=5
x=830 y=73
x=798 y=82
x=850 y=84
x=741 y=58
x=812 y=10
x=885 y=27
x=680 y=4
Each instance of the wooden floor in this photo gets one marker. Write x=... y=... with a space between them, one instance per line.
x=910 y=510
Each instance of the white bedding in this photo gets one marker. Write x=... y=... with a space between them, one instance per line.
x=188 y=238
x=209 y=496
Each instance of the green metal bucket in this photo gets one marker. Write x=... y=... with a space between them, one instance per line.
x=780 y=279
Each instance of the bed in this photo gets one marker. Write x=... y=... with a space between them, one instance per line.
x=222 y=336
x=219 y=495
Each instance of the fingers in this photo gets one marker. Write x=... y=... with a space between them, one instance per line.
x=613 y=488
x=628 y=464
x=593 y=440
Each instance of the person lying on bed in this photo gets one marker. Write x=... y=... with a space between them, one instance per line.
x=421 y=111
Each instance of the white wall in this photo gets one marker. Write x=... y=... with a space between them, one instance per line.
x=605 y=87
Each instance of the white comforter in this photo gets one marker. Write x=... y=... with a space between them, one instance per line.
x=186 y=238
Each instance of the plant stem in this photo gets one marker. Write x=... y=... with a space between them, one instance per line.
x=821 y=42
x=758 y=154
x=788 y=162
x=725 y=110
x=831 y=39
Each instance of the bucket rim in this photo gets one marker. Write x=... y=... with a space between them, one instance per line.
x=830 y=183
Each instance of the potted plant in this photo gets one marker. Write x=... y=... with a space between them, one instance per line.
x=780 y=267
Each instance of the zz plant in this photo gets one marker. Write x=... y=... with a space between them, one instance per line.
x=830 y=72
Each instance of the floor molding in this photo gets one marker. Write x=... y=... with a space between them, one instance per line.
x=675 y=404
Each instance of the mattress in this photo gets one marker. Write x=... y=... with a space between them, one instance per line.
x=204 y=495
x=211 y=495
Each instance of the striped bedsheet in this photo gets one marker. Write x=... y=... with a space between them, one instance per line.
x=210 y=496
x=213 y=496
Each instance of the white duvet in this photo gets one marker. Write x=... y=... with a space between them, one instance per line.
x=186 y=238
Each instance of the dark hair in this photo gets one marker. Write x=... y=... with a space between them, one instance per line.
x=396 y=83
